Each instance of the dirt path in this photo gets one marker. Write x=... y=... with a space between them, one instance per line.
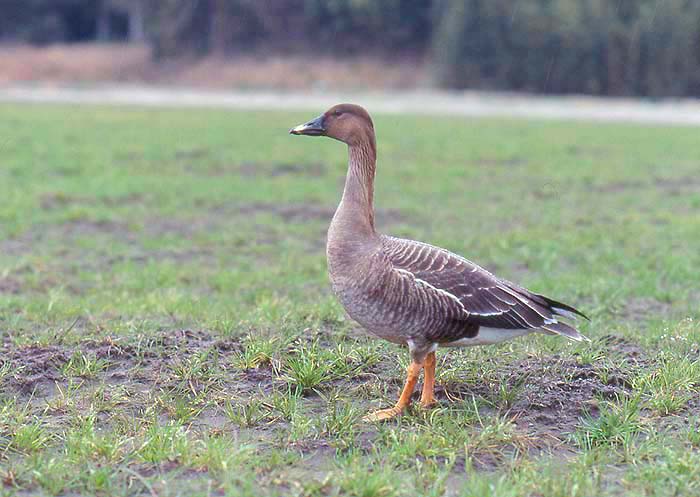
x=678 y=112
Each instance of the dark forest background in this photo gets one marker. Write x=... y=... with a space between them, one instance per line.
x=602 y=47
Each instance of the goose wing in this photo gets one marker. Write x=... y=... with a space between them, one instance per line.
x=487 y=300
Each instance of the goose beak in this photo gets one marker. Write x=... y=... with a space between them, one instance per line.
x=315 y=127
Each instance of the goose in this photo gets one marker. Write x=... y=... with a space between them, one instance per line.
x=413 y=293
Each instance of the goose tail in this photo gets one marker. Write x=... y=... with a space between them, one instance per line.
x=565 y=330
x=564 y=310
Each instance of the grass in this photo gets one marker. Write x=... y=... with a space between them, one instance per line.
x=167 y=325
x=617 y=423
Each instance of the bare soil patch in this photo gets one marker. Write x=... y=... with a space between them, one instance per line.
x=9 y=285
x=638 y=309
x=552 y=393
x=671 y=186
x=40 y=365
x=678 y=186
x=262 y=169
x=33 y=366
x=58 y=200
x=619 y=186
x=254 y=169
x=555 y=401
x=66 y=232
x=555 y=392
x=300 y=213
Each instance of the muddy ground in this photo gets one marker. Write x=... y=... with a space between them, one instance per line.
x=551 y=394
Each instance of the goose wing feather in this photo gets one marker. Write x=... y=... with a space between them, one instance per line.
x=487 y=300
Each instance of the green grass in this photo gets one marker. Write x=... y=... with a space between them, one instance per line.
x=168 y=329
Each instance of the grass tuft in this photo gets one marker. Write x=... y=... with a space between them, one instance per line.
x=618 y=424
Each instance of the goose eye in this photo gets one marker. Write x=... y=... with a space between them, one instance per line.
x=337 y=113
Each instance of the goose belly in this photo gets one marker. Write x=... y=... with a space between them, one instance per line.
x=381 y=313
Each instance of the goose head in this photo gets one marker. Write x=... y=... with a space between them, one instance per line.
x=347 y=123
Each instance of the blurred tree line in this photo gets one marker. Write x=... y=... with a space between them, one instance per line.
x=607 y=47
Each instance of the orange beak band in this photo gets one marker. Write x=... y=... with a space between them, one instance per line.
x=315 y=127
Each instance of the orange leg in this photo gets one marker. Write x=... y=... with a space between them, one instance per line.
x=427 y=397
x=405 y=398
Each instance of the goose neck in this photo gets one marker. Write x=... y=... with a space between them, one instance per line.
x=358 y=194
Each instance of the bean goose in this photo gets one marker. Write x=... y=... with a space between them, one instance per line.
x=410 y=292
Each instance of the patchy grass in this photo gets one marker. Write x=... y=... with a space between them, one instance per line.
x=167 y=327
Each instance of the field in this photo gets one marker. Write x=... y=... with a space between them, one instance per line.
x=167 y=325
